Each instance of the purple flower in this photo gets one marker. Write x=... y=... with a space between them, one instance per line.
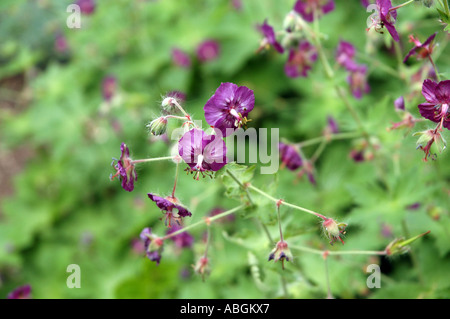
x=357 y=156
x=61 y=45
x=269 y=37
x=125 y=169
x=86 y=6
x=229 y=106
x=22 y=292
x=109 y=85
x=385 y=17
x=181 y=240
x=344 y=55
x=208 y=50
x=423 y=50
x=357 y=80
x=438 y=98
x=171 y=207
x=399 y=104
x=290 y=157
x=307 y=8
x=153 y=245
x=300 y=60
x=202 y=152
x=180 y=58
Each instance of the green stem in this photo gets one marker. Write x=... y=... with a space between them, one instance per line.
x=155 y=159
x=344 y=252
x=284 y=203
x=176 y=178
x=201 y=222
x=329 y=294
x=401 y=5
x=435 y=68
x=319 y=151
x=241 y=185
x=338 y=136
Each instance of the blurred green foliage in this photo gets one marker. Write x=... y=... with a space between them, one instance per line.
x=64 y=209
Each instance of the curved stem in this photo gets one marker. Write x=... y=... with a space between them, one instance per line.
x=284 y=203
x=344 y=252
x=155 y=159
x=204 y=221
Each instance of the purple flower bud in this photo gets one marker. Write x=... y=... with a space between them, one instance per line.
x=61 y=45
x=109 y=87
x=125 y=169
x=399 y=104
x=307 y=8
x=332 y=126
x=180 y=58
x=208 y=50
x=290 y=156
x=22 y=292
x=229 y=107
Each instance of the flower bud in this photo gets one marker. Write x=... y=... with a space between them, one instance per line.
x=281 y=252
x=427 y=3
x=333 y=230
x=158 y=126
x=427 y=139
x=401 y=245
x=201 y=267
x=290 y=21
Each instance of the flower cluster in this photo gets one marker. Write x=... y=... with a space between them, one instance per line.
x=206 y=51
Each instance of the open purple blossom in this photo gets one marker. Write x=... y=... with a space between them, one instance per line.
x=153 y=245
x=421 y=50
x=309 y=9
x=202 y=152
x=22 y=292
x=86 y=6
x=208 y=50
x=125 y=169
x=181 y=58
x=290 y=156
x=182 y=240
x=269 y=37
x=172 y=208
x=357 y=79
x=300 y=60
x=109 y=86
x=345 y=54
x=229 y=106
x=436 y=108
x=385 y=17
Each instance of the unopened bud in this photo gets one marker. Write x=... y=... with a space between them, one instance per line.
x=333 y=230
x=158 y=126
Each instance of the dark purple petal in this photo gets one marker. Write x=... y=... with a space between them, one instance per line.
x=269 y=34
x=328 y=7
x=154 y=256
x=306 y=8
x=390 y=27
x=429 y=111
x=443 y=92
x=429 y=88
x=411 y=52
x=168 y=204
x=429 y=40
x=332 y=125
x=290 y=157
